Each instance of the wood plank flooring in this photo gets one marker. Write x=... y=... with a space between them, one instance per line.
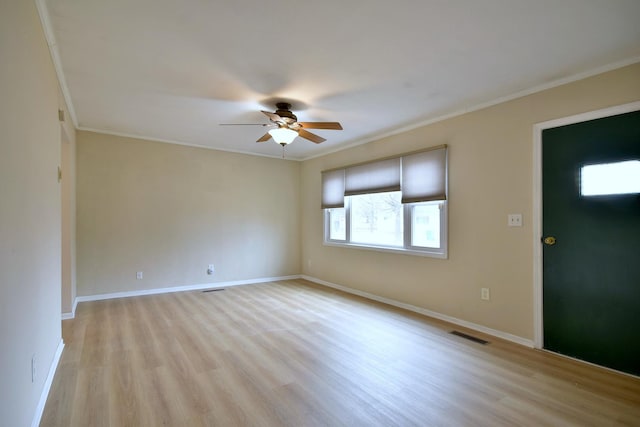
x=296 y=354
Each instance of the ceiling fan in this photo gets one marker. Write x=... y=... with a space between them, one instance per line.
x=286 y=126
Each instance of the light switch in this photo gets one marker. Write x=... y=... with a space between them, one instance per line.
x=514 y=220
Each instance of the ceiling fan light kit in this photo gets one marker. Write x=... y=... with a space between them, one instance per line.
x=287 y=126
x=283 y=135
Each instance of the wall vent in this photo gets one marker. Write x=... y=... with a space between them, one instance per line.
x=469 y=337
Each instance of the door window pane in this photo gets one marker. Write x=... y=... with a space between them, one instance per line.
x=610 y=178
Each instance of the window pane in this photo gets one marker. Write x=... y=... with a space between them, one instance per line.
x=425 y=225
x=610 y=178
x=337 y=224
x=377 y=219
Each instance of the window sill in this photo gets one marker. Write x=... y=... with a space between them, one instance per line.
x=400 y=251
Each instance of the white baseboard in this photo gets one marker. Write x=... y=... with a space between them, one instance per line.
x=413 y=308
x=489 y=331
x=155 y=291
x=72 y=314
x=47 y=385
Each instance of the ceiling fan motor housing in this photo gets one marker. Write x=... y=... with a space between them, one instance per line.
x=284 y=111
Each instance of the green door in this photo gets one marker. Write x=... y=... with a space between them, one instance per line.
x=591 y=273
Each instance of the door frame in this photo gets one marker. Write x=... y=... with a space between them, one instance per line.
x=538 y=321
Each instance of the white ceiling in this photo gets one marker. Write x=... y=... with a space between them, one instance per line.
x=174 y=70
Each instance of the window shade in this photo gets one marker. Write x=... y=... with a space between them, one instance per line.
x=374 y=177
x=424 y=176
x=333 y=189
x=421 y=176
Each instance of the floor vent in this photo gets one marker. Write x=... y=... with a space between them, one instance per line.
x=213 y=290
x=469 y=337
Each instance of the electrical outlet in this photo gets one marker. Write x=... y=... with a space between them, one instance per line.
x=139 y=275
x=211 y=269
x=484 y=294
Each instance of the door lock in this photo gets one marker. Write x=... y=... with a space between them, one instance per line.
x=549 y=240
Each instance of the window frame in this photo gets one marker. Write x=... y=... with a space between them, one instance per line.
x=407 y=248
x=420 y=176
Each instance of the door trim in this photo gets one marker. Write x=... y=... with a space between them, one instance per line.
x=538 y=338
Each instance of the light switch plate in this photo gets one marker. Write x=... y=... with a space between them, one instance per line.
x=514 y=220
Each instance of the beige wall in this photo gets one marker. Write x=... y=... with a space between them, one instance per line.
x=171 y=210
x=490 y=176
x=30 y=218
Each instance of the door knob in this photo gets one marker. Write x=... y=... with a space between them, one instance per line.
x=549 y=240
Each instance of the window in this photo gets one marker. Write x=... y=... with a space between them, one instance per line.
x=376 y=219
x=337 y=224
x=425 y=225
x=396 y=204
x=610 y=178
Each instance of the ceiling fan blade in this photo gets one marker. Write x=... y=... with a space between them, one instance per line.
x=244 y=124
x=310 y=136
x=273 y=117
x=264 y=137
x=321 y=125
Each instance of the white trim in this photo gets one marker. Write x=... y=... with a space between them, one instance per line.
x=49 y=35
x=72 y=314
x=537 y=235
x=396 y=131
x=155 y=291
x=407 y=249
x=483 y=105
x=55 y=55
x=186 y=144
x=37 y=416
x=390 y=250
x=538 y=337
x=489 y=331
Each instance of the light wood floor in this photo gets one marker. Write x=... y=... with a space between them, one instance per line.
x=295 y=354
